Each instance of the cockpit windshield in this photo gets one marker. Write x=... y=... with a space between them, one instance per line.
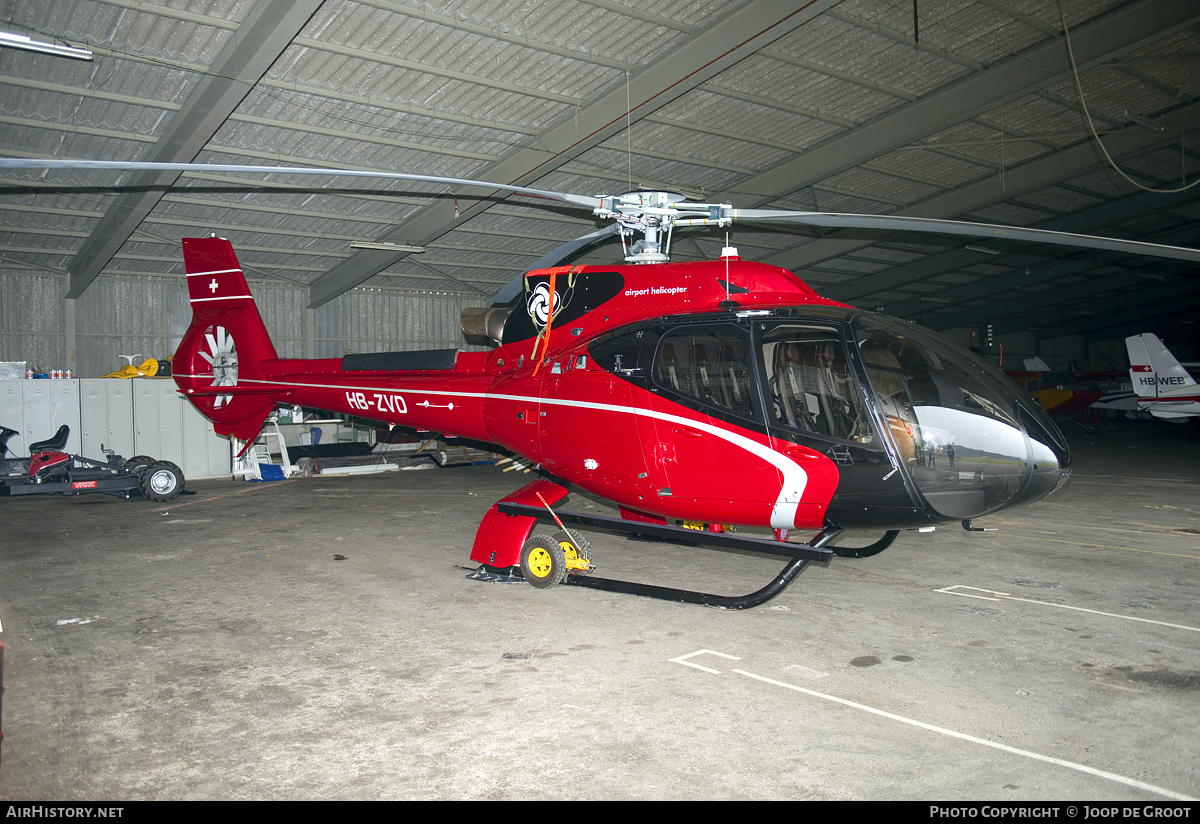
x=955 y=426
x=866 y=390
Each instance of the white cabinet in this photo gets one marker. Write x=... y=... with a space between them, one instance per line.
x=36 y=409
x=106 y=417
x=168 y=427
x=143 y=416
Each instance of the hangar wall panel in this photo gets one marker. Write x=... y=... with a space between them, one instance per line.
x=147 y=316
x=31 y=320
x=143 y=316
x=282 y=309
x=379 y=320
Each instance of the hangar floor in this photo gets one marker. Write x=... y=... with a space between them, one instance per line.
x=216 y=649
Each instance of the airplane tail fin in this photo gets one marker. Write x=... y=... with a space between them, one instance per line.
x=1152 y=368
x=218 y=365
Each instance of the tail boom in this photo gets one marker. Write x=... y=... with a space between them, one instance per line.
x=228 y=368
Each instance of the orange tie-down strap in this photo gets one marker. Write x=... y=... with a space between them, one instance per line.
x=554 y=273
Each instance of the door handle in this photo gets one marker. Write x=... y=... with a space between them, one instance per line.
x=683 y=432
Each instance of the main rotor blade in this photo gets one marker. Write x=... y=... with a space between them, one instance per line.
x=718 y=213
x=958 y=227
x=137 y=166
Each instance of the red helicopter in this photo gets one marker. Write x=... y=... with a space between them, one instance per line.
x=714 y=393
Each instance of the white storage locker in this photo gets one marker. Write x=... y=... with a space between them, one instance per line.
x=157 y=420
x=106 y=416
x=167 y=427
x=46 y=405
x=143 y=416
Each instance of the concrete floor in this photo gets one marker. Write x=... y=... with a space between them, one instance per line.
x=215 y=649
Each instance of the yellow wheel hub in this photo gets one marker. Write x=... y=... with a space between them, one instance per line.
x=540 y=562
x=574 y=562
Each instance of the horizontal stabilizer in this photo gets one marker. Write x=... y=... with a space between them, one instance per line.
x=214 y=391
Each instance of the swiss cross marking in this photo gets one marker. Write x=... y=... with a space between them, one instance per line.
x=212 y=287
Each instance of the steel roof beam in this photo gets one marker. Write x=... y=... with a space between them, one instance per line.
x=1086 y=220
x=1124 y=30
x=734 y=37
x=267 y=30
x=1033 y=175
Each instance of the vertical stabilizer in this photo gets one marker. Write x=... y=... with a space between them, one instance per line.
x=218 y=365
x=1153 y=370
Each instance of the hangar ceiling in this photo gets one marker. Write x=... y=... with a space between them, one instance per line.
x=932 y=108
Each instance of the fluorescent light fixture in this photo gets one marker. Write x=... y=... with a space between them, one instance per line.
x=384 y=247
x=1143 y=121
x=982 y=249
x=20 y=41
x=930 y=299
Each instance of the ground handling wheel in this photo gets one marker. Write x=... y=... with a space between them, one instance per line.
x=575 y=550
x=162 y=481
x=543 y=562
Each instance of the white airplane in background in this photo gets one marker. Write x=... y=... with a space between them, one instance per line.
x=1164 y=388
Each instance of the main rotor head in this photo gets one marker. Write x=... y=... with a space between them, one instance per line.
x=652 y=214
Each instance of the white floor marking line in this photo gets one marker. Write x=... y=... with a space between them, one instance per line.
x=683 y=659
x=1004 y=596
x=1131 y=782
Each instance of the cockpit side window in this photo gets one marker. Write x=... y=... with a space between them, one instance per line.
x=707 y=365
x=810 y=385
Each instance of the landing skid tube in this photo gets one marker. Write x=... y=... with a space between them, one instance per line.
x=799 y=556
x=685 y=596
x=869 y=550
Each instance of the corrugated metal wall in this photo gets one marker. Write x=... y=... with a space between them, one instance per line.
x=147 y=316
x=376 y=320
x=128 y=316
x=31 y=319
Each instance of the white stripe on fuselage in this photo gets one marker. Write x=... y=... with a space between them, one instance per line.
x=795 y=479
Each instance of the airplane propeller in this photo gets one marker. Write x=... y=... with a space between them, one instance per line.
x=653 y=214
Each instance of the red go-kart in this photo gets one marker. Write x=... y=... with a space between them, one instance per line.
x=48 y=471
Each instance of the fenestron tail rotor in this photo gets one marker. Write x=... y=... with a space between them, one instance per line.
x=222 y=355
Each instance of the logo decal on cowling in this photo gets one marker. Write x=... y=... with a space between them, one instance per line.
x=537 y=297
x=538 y=304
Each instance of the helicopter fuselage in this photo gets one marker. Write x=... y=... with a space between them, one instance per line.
x=721 y=392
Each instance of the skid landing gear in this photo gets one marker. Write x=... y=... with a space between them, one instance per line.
x=869 y=550
x=545 y=561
